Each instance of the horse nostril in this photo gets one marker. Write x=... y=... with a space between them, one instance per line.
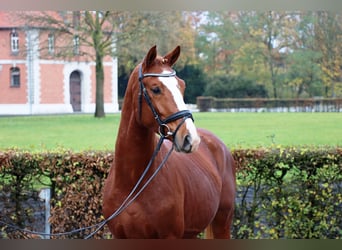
x=187 y=144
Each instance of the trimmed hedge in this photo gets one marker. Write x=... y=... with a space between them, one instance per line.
x=282 y=192
x=207 y=103
x=76 y=181
x=296 y=193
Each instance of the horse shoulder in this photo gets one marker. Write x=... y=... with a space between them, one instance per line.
x=223 y=157
x=214 y=144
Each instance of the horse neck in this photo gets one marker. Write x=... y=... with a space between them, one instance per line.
x=134 y=147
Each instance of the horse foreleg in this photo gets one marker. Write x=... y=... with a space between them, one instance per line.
x=220 y=226
x=208 y=232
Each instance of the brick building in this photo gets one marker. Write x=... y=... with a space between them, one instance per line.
x=37 y=82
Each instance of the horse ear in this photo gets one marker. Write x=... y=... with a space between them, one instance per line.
x=150 y=57
x=172 y=57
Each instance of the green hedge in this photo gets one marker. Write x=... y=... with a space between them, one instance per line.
x=282 y=192
x=296 y=193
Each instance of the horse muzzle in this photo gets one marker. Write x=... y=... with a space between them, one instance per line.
x=187 y=145
x=187 y=139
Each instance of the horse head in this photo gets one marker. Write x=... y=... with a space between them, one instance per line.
x=164 y=109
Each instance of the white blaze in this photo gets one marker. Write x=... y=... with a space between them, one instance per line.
x=171 y=84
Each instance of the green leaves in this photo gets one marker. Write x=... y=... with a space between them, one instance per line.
x=282 y=192
x=296 y=193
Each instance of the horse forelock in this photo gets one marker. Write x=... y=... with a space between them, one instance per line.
x=158 y=65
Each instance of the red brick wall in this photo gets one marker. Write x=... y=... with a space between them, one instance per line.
x=8 y=94
x=51 y=85
x=5 y=45
x=13 y=95
x=107 y=84
x=51 y=75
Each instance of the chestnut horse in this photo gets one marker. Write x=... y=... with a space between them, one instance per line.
x=195 y=188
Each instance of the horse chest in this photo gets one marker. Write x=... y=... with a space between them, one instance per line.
x=150 y=218
x=173 y=209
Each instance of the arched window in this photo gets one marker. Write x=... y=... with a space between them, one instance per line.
x=15 y=76
x=14 y=42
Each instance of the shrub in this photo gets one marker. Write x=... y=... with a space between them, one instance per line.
x=225 y=86
x=281 y=192
x=289 y=193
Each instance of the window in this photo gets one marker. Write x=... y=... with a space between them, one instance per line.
x=14 y=42
x=15 y=77
x=51 y=43
x=76 y=45
x=76 y=17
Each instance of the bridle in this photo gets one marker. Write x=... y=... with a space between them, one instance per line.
x=164 y=129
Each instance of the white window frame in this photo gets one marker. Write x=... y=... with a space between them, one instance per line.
x=76 y=45
x=51 y=43
x=14 y=41
x=15 y=77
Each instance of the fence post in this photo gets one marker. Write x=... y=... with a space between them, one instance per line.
x=45 y=194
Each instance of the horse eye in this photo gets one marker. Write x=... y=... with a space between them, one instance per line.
x=156 y=90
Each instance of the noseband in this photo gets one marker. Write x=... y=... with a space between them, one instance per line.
x=164 y=129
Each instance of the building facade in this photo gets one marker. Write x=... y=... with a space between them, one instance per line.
x=33 y=82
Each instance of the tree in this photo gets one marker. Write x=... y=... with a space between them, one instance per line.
x=304 y=73
x=93 y=31
x=275 y=30
x=217 y=39
x=223 y=86
x=196 y=81
x=247 y=44
x=102 y=40
x=328 y=37
x=138 y=31
x=249 y=62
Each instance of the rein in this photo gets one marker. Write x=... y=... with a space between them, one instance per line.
x=183 y=114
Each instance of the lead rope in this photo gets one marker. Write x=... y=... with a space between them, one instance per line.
x=128 y=201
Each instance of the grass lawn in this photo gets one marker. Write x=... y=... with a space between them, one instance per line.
x=266 y=129
x=84 y=132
